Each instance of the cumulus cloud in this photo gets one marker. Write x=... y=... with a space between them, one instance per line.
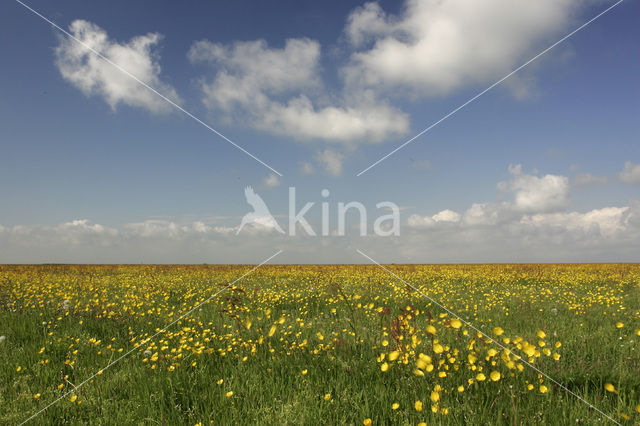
x=536 y=194
x=274 y=88
x=417 y=221
x=435 y=47
x=331 y=161
x=94 y=76
x=520 y=230
x=487 y=213
x=630 y=173
x=605 y=222
x=604 y=234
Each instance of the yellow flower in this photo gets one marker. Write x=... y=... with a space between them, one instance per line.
x=422 y=424
x=229 y=394
x=36 y=396
x=327 y=396
x=431 y=329
x=304 y=372
x=437 y=348
x=460 y=389
x=384 y=367
x=556 y=356
x=481 y=377
x=73 y=398
x=272 y=330
x=529 y=386
x=541 y=334
x=366 y=422
x=395 y=406
x=18 y=369
x=435 y=396
x=619 y=324
x=418 y=405
x=498 y=331
x=393 y=355
x=610 y=388
x=529 y=349
x=220 y=381
x=456 y=323
x=385 y=343
x=495 y=376
x=543 y=389
x=421 y=364
x=418 y=373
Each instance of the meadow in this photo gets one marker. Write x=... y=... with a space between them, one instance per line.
x=346 y=344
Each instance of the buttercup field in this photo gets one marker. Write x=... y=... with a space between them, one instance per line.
x=292 y=212
x=321 y=344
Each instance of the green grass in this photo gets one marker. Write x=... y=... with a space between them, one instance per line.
x=577 y=305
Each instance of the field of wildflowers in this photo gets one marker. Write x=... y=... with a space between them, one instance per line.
x=346 y=344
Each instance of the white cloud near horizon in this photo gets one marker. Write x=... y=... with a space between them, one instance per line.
x=538 y=203
x=94 y=76
x=536 y=194
x=630 y=173
x=533 y=225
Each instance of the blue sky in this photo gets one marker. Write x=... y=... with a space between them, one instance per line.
x=108 y=172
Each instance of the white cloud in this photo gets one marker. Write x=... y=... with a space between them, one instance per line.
x=331 y=161
x=447 y=216
x=587 y=179
x=487 y=213
x=417 y=221
x=605 y=234
x=272 y=181
x=434 y=47
x=536 y=194
x=94 y=76
x=273 y=87
x=605 y=222
x=307 y=168
x=630 y=173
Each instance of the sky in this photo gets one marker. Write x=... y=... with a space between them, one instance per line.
x=144 y=157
